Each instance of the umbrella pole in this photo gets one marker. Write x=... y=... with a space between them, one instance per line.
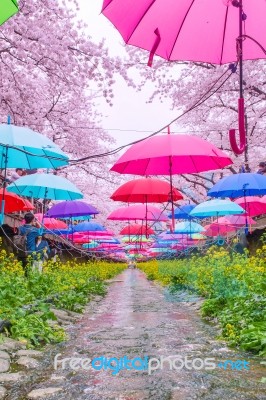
x=2 y=217
x=241 y=107
x=171 y=187
x=245 y=202
x=71 y=224
x=172 y=197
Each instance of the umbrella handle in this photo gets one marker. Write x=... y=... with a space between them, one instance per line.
x=242 y=130
x=155 y=46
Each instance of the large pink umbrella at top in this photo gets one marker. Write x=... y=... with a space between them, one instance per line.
x=254 y=205
x=171 y=154
x=138 y=212
x=210 y=31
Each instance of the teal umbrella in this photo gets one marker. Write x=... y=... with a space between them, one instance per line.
x=8 y=9
x=21 y=147
x=45 y=186
x=90 y=245
x=188 y=227
x=216 y=208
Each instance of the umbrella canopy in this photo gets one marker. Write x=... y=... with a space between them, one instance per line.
x=74 y=208
x=51 y=223
x=188 y=227
x=14 y=203
x=171 y=154
x=136 y=239
x=216 y=208
x=90 y=245
x=169 y=236
x=216 y=229
x=136 y=230
x=91 y=227
x=8 y=9
x=140 y=211
x=183 y=212
x=238 y=185
x=147 y=190
x=21 y=147
x=253 y=205
x=45 y=186
x=236 y=220
x=178 y=30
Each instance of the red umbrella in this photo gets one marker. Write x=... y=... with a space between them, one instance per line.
x=254 y=205
x=14 y=203
x=140 y=211
x=136 y=230
x=147 y=190
x=213 y=31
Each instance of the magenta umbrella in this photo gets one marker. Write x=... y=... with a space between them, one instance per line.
x=210 y=31
x=171 y=154
x=254 y=205
x=138 y=212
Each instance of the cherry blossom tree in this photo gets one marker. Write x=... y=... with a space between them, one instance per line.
x=51 y=76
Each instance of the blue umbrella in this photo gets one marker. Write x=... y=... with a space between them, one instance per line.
x=239 y=185
x=79 y=218
x=111 y=240
x=188 y=227
x=88 y=227
x=90 y=245
x=21 y=147
x=216 y=208
x=182 y=212
x=45 y=186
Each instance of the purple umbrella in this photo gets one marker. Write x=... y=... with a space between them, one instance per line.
x=70 y=209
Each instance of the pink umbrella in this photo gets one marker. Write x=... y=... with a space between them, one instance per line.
x=138 y=212
x=171 y=154
x=254 y=205
x=200 y=30
x=235 y=220
x=218 y=229
x=50 y=223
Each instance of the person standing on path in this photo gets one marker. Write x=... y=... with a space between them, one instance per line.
x=32 y=229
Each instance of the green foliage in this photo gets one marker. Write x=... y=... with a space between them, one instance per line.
x=234 y=286
x=26 y=301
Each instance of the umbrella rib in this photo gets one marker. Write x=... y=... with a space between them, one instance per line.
x=225 y=23
x=181 y=26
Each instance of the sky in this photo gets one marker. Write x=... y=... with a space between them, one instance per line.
x=130 y=118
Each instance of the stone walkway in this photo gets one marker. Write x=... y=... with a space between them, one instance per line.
x=136 y=319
